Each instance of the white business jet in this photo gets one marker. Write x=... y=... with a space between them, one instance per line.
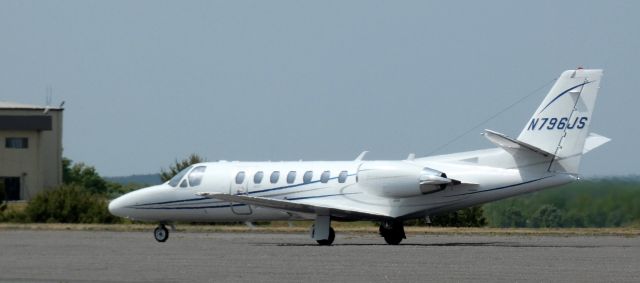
x=545 y=154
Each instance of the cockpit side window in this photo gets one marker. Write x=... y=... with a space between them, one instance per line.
x=195 y=177
x=184 y=184
x=176 y=179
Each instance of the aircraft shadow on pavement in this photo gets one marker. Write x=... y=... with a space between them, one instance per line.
x=451 y=244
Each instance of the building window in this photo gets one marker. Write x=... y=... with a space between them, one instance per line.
x=257 y=178
x=325 y=176
x=291 y=177
x=307 y=177
x=274 y=177
x=16 y=143
x=240 y=177
x=343 y=176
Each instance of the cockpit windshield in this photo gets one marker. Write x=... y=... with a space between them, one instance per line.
x=195 y=177
x=176 y=179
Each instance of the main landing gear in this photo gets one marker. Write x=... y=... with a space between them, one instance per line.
x=321 y=230
x=161 y=233
x=329 y=240
x=392 y=231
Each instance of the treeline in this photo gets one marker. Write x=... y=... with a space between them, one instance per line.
x=82 y=198
x=605 y=202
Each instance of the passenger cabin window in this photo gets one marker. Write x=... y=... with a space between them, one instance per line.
x=240 y=177
x=326 y=175
x=257 y=178
x=274 y=177
x=291 y=177
x=307 y=177
x=176 y=179
x=343 y=176
x=16 y=143
x=195 y=177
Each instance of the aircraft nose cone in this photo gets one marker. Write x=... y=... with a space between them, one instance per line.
x=115 y=207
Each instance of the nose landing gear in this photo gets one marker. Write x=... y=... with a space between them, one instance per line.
x=161 y=233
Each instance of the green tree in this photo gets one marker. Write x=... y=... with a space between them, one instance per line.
x=177 y=166
x=83 y=175
x=547 y=216
x=512 y=217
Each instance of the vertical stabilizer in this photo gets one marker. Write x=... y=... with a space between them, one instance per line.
x=560 y=125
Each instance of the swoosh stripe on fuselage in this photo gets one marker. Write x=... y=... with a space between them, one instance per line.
x=240 y=204
x=249 y=193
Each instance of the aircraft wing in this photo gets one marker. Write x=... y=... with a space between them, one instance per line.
x=294 y=206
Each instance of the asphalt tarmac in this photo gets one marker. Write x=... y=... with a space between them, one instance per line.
x=79 y=256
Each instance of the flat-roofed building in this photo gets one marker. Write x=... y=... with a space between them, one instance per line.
x=30 y=149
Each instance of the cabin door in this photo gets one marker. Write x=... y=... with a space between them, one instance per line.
x=240 y=186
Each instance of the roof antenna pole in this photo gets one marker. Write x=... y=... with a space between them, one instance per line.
x=49 y=94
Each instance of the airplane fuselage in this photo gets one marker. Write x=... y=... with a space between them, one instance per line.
x=378 y=187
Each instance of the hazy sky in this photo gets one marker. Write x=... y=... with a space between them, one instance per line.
x=146 y=82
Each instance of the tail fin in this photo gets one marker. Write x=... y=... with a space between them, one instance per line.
x=561 y=124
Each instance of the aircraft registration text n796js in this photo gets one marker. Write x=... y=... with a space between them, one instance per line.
x=546 y=153
x=557 y=123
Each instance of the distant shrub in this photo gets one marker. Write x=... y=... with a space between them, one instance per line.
x=466 y=217
x=12 y=214
x=69 y=204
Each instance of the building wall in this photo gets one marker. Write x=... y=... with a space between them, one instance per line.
x=39 y=166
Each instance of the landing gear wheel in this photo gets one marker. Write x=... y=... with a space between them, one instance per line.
x=328 y=242
x=392 y=232
x=161 y=233
x=393 y=238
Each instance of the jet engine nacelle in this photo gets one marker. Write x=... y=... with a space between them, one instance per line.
x=398 y=179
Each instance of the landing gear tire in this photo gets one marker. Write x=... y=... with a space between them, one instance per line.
x=328 y=242
x=393 y=239
x=161 y=233
x=392 y=232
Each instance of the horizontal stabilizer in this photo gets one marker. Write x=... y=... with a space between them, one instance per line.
x=292 y=206
x=512 y=144
x=593 y=141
